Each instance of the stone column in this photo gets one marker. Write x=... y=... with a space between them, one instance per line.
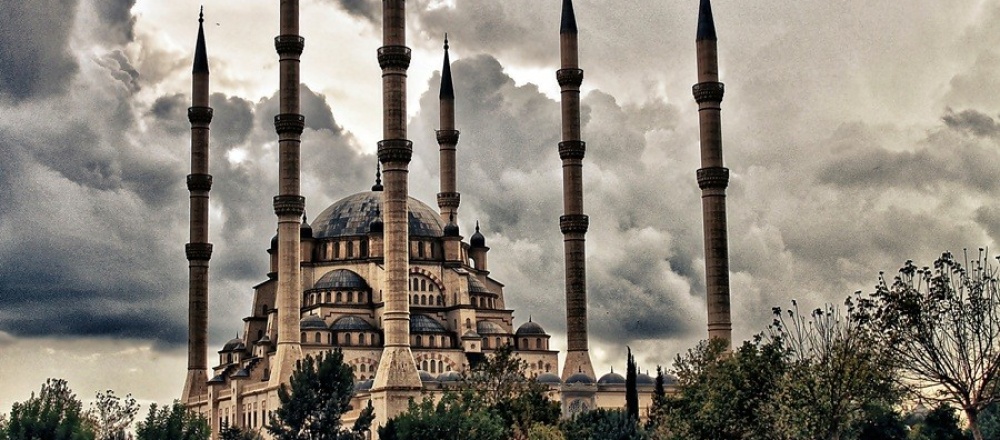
x=396 y=380
x=288 y=204
x=199 y=250
x=573 y=222
x=713 y=177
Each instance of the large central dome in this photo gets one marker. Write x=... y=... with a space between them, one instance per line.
x=351 y=216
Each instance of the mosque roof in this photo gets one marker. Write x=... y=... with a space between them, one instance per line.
x=234 y=345
x=351 y=323
x=579 y=378
x=489 y=328
x=548 y=378
x=476 y=286
x=312 y=322
x=531 y=328
x=352 y=215
x=341 y=279
x=611 y=378
x=425 y=324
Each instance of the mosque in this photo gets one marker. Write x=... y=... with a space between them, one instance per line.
x=391 y=281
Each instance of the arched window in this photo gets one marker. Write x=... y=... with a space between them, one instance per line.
x=420 y=249
x=423 y=285
x=327 y=297
x=440 y=300
x=548 y=367
x=538 y=343
x=260 y=334
x=364 y=248
x=499 y=344
x=318 y=338
x=420 y=342
x=347 y=339
x=431 y=286
x=361 y=339
x=433 y=367
x=263 y=309
x=340 y=297
x=350 y=297
x=423 y=365
x=416 y=299
x=303 y=337
x=468 y=323
x=423 y=300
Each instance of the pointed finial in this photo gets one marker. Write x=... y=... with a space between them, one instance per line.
x=378 y=178
x=612 y=369
x=706 y=24
x=529 y=318
x=568 y=25
x=477 y=225
x=447 y=87
x=200 y=53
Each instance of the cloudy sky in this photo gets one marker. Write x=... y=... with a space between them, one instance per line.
x=859 y=134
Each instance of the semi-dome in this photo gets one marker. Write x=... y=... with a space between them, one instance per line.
x=531 y=329
x=611 y=378
x=364 y=385
x=353 y=215
x=425 y=324
x=351 y=323
x=579 y=378
x=548 y=378
x=449 y=376
x=341 y=279
x=490 y=328
x=312 y=322
x=476 y=286
x=234 y=344
x=426 y=377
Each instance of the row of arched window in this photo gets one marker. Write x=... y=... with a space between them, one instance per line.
x=341 y=339
x=343 y=250
x=349 y=297
x=482 y=302
x=418 y=284
x=433 y=341
x=496 y=342
x=426 y=300
x=434 y=366
x=532 y=344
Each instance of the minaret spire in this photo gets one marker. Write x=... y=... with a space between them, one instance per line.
x=573 y=222
x=289 y=205
x=396 y=380
x=447 y=137
x=199 y=250
x=713 y=177
x=378 y=178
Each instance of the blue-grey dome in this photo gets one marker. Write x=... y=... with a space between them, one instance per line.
x=234 y=344
x=364 y=385
x=644 y=379
x=425 y=324
x=351 y=323
x=611 y=379
x=579 y=378
x=312 y=322
x=477 y=240
x=426 y=377
x=471 y=334
x=490 y=328
x=341 y=279
x=353 y=215
x=531 y=329
x=476 y=286
x=548 y=378
x=450 y=376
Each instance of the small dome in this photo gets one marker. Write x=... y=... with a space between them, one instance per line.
x=234 y=344
x=477 y=240
x=451 y=230
x=450 y=376
x=425 y=324
x=341 y=279
x=312 y=322
x=471 y=334
x=351 y=323
x=548 y=378
x=426 y=377
x=305 y=231
x=530 y=329
x=579 y=378
x=364 y=385
x=611 y=378
x=490 y=328
x=644 y=379
x=476 y=286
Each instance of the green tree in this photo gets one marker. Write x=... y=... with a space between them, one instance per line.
x=631 y=388
x=457 y=416
x=989 y=421
x=943 y=325
x=173 y=422
x=237 y=433
x=882 y=423
x=500 y=385
x=836 y=368
x=940 y=423
x=603 y=424
x=314 y=400
x=541 y=431
x=722 y=396
x=112 y=416
x=53 y=414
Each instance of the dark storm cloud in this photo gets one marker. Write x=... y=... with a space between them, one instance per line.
x=35 y=58
x=363 y=9
x=117 y=21
x=972 y=122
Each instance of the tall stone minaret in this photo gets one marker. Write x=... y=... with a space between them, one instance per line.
x=713 y=177
x=447 y=137
x=574 y=222
x=199 y=250
x=396 y=380
x=288 y=204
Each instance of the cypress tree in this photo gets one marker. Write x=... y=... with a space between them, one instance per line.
x=631 y=389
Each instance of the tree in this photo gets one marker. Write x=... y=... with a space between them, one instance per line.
x=631 y=388
x=603 y=424
x=723 y=396
x=173 y=422
x=943 y=326
x=881 y=423
x=455 y=416
x=237 y=433
x=314 y=400
x=940 y=423
x=836 y=368
x=112 y=416
x=500 y=384
x=54 y=414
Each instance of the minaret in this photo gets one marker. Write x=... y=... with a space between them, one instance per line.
x=447 y=137
x=199 y=250
x=396 y=380
x=289 y=205
x=713 y=177
x=574 y=222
